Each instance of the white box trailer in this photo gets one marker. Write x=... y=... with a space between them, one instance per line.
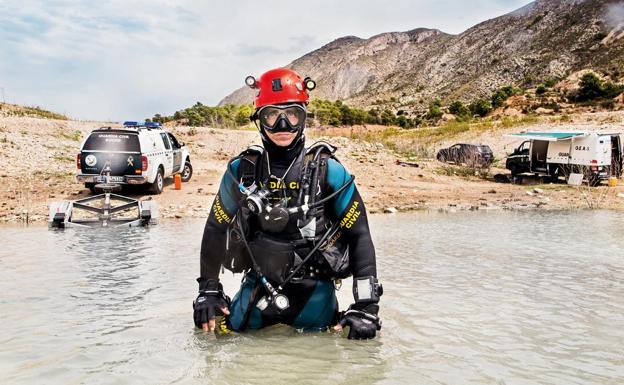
x=597 y=156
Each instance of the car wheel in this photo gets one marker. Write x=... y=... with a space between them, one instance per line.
x=157 y=186
x=187 y=171
x=514 y=171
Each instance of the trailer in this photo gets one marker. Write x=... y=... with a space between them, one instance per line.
x=596 y=155
x=103 y=210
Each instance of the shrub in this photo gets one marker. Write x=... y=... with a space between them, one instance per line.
x=388 y=118
x=591 y=88
x=550 y=83
x=612 y=90
x=435 y=111
x=404 y=122
x=458 y=109
x=480 y=107
x=502 y=94
x=541 y=90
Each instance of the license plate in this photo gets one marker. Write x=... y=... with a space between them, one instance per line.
x=102 y=179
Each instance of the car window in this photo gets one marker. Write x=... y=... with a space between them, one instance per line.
x=165 y=140
x=174 y=141
x=112 y=141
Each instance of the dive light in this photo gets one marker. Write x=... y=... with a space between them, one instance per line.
x=250 y=81
x=309 y=84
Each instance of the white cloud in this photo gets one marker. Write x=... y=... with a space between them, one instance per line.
x=615 y=15
x=118 y=60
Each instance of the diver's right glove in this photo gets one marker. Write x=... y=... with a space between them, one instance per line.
x=363 y=321
x=209 y=302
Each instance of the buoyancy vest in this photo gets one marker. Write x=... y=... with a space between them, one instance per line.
x=278 y=253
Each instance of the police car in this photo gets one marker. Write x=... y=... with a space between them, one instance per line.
x=137 y=154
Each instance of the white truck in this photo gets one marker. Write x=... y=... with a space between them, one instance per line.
x=138 y=153
x=596 y=155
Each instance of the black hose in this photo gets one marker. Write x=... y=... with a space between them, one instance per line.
x=244 y=238
x=229 y=170
x=307 y=257
x=315 y=177
x=332 y=195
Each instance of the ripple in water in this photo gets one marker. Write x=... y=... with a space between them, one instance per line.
x=483 y=298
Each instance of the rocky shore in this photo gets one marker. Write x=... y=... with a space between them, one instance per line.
x=39 y=167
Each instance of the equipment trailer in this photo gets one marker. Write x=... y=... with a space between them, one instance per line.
x=102 y=210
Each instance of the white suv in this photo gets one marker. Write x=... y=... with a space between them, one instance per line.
x=138 y=153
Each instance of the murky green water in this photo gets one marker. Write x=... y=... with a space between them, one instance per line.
x=470 y=298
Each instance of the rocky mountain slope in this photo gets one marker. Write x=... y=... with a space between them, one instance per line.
x=544 y=40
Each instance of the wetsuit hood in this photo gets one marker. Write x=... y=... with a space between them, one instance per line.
x=283 y=156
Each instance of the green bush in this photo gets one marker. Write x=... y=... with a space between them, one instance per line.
x=550 y=83
x=324 y=112
x=502 y=94
x=404 y=122
x=435 y=110
x=461 y=112
x=480 y=107
x=612 y=90
x=592 y=88
x=541 y=90
x=388 y=118
x=221 y=116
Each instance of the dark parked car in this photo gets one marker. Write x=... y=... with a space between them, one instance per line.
x=473 y=155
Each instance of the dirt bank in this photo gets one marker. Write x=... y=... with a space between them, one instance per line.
x=39 y=167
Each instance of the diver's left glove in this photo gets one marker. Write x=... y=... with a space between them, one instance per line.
x=210 y=302
x=362 y=320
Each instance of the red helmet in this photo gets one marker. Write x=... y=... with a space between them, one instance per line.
x=280 y=85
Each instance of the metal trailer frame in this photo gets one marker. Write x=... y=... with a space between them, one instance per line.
x=61 y=214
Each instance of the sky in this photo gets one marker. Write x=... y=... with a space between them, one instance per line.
x=128 y=60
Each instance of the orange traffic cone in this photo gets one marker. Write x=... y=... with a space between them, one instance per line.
x=178 y=181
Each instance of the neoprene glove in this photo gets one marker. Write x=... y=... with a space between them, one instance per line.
x=362 y=320
x=209 y=301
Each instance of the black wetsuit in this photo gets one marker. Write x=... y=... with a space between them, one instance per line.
x=313 y=304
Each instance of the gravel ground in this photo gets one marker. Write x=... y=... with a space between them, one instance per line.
x=39 y=159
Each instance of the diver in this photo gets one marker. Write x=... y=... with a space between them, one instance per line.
x=292 y=220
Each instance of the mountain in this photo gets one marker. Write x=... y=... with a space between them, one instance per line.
x=541 y=41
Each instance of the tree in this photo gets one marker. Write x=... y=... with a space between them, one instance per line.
x=243 y=114
x=590 y=87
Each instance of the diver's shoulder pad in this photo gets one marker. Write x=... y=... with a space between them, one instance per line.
x=323 y=146
x=254 y=149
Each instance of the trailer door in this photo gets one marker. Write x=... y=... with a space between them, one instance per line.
x=616 y=155
x=539 y=152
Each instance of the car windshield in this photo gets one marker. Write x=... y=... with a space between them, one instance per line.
x=112 y=141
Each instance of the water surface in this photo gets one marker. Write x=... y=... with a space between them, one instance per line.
x=470 y=298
